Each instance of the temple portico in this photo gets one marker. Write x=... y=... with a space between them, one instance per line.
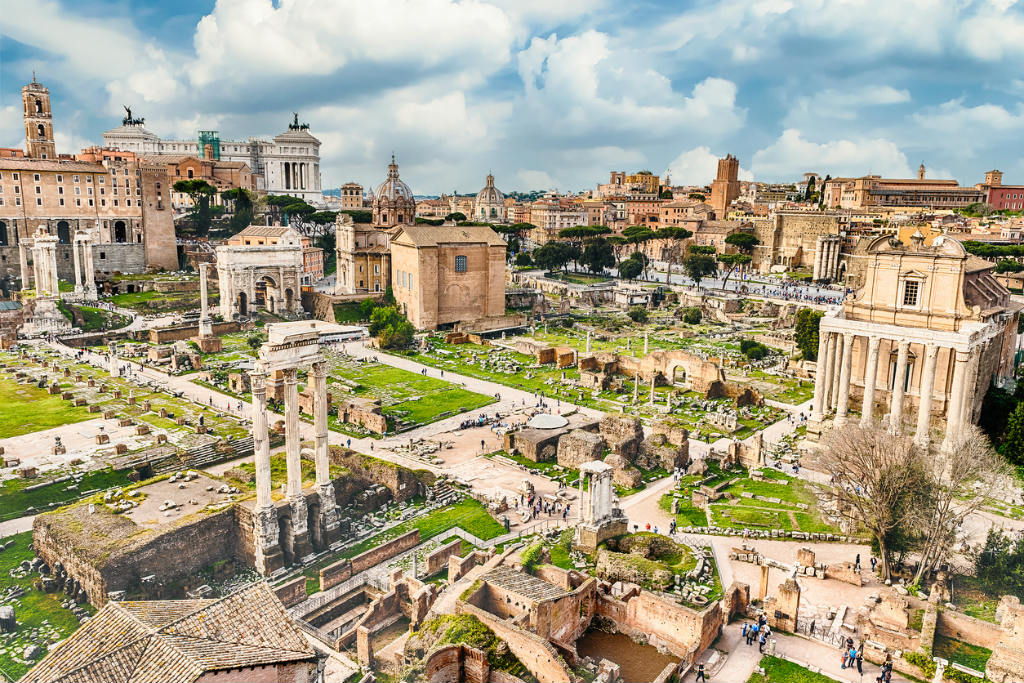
x=290 y=346
x=928 y=331
x=46 y=317
x=598 y=514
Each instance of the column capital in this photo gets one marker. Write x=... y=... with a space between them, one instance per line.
x=291 y=375
x=318 y=368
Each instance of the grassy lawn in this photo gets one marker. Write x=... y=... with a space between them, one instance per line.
x=781 y=671
x=580 y=278
x=26 y=409
x=161 y=302
x=35 y=611
x=970 y=598
x=15 y=499
x=687 y=515
x=467 y=514
x=348 y=312
x=973 y=656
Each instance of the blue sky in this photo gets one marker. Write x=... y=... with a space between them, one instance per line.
x=546 y=94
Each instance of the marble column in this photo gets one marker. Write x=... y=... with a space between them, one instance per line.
x=867 y=407
x=266 y=533
x=924 y=411
x=588 y=341
x=112 y=349
x=205 y=326
x=830 y=366
x=834 y=267
x=329 y=531
x=580 y=501
x=844 y=380
x=817 y=407
x=954 y=411
x=837 y=367
x=973 y=367
x=88 y=269
x=297 y=540
x=37 y=271
x=652 y=388
x=898 y=388
x=819 y=247
x=26 y=277
x=76 y=247
x=646 y=343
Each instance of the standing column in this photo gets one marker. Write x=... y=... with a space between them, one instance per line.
x=899 y=388
x=88 y=269
x=836 y=248
x=837 y=366
x=26 y=277
x=329 y=530
x=37 y=270
x=829 y=371
x=924 y=410
x=205 y=326
x=817 y=258
x=76 y=245
x=297 y=540
x=954 y=410
x=646 y=342
x=580 y=499
x=588 y=341
x=973 y=366
x=652 y=388
x=265 y=527
x=867 y=408
x=844 y=380
x=817 y=408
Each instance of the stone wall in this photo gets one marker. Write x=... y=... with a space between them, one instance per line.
x=623 y=434
x=578 y=447
x=402 y=482
x=335 y=573
x=385 y=551
x=664 y=624
x=271 y=673
x=163 y=335
x=457 y=663
x=968 y=629
x=108 y=258
x=460 y=566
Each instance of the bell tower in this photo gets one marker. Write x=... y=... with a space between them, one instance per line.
x=35 y=101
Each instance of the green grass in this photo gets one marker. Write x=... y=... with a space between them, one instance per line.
x=348 y=312
x=973 y=656
x=580 y=278
x=93 y=319
x=971 y=598
x=34 y=610
x=781 y=671
x=27 y=409
x=688 y=514
x=15 y=499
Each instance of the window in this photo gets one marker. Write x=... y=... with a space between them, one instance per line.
x=17 y=189
x=15 y=176
x=460 y=264
x=90 y=202
x=36 y=177
x=115 y=202
x=78 y=190
x=88 y=178
x=102 y=180
x=911 y=290
x=78 y=202
x=75 y=178
x=39 y=190
x=39 y=201
x=61 y=200
x=376 y=269
x=60 y=190
x=103 y=254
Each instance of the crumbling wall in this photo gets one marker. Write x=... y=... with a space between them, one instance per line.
x=578 y=447
x=623 y=434
x=535 y=653
x=682 y=631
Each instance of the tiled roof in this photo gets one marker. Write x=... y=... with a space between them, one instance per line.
x=432 y=236
x=263 y=231
x=30 y=165
x=175 y=641
x=523 y=584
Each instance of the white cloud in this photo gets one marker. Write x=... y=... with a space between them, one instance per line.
x=535 y=180
x=699 y=166
x=791 y=155
x=954 y=118
x=256 y=38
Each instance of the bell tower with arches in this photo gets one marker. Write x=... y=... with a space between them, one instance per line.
x=35 y=100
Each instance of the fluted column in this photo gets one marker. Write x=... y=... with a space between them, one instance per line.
x=819 y=247
x=867 y=407
x=898 y=388
x=266 y=532
x=26 y=277
x=76 y=246
x=830 y=366
x=924 y=411
x=844 y=380
x=260 y=441
x=834 y=266
x=954 y=411
x=325 y=489
x=836 y=372
x=292 y=435
x=817 y=408
x=88 y=269
x=37 y=270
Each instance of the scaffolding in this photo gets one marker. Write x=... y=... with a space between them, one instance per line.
x=212 y=138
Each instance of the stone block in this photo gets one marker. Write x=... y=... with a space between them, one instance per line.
x=141 y=429
x=578 y=447
x=623 y=434
x=102 y=439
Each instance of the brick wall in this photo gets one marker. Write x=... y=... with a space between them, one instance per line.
x=272 y=673
x=164 y=335
x=439 y=558
x=535 y=653
x=457 y=663
x=402 y=482
x=682 y=631
x=335 y=573
x=293 y=592
x=371 y=558
x=966 y=628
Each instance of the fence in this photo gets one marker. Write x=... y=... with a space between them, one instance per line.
x=820 y=631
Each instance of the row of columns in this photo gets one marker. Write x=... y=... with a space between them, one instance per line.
x=826 y=257
x=833 y=381
x=297 y=538
x=296 y=175
x=85 y=278
x=44 y=263
x=599 y=499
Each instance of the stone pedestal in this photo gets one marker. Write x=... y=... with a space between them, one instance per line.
x=208 y=344
x=265 y=536
x=328 y=520
x=296 y=535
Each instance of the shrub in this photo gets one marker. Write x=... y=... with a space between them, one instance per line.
x=638 y=314
x=531 y=557
x=692 y=315
x=523 y=259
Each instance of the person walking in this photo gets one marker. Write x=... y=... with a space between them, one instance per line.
x=700 y=673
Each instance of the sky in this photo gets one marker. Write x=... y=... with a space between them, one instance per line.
x=546 y=94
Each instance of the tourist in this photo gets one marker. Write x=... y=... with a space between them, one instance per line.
x=648 y=527
x=856 y=563
x=846 y=656
x=873 y=563
x=761 y=641
x=700 y=673
x=744 y=631
x=860 y=662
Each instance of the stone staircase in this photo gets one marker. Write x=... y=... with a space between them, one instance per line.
x=444 y=494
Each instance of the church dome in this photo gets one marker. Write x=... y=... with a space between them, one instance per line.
x=490 y=194
x=393 y=188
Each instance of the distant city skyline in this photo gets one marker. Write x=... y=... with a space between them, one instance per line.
x=544 y=95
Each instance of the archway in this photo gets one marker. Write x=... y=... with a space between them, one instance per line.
x=288 y=299
x=266 y=294
x=678 y=374
x=3 y=234
x=243 y=306
x=120 y=232
x=63 y=232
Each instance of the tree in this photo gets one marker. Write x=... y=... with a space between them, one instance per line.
x=1013 y=437
x=639 y=234
x=876 y=481
x=665 y=194
x=744 y=241
x=692 y=315
x=697 y=195
x=366 y=308
x=810 y=189
x=455 y=216
x=254 y=341
x=638 y=314
x=617 y=242
x=733 y=261
x=999 y=564
x=676 y=236
x=201 y=193
x=552 y=256
x=597 y=255
x=960 y=484
x=397 y=336
x=806 y=332
x=523 y=259
x=243 y=208
x=630 y=268
x=698 y=266
x=1008 y=266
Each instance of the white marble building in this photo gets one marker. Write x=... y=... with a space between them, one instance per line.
x=289 y=164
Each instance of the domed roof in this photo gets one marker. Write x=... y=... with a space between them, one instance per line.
x=490 y=194
x=547 y=421
x=393 y=188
